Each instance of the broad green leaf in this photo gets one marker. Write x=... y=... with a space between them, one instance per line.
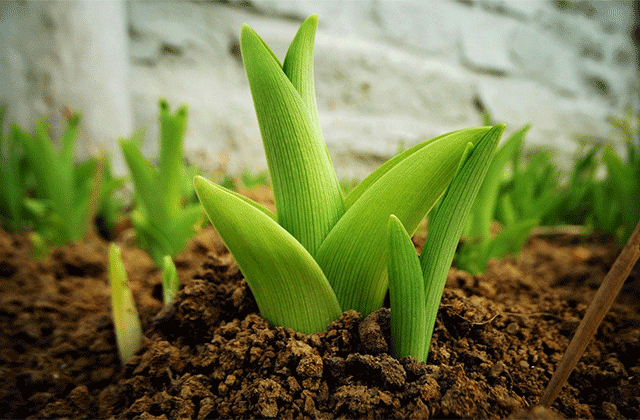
x=353 y=257
x=447 y=224
x=307 y=194
x=125 y=316
x=364 y=185
x=287 y=283
x=407 y=294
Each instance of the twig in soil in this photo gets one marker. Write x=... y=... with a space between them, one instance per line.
x=596 y=312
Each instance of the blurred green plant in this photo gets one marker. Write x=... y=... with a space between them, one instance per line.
x=576 y=203
x=480 y=244
x=126 y=321
x=622 y=183
x=320 y=252
x=246 y=180
x=63 y=189
x=109 y=206
x=13 y=179
x=162 y=219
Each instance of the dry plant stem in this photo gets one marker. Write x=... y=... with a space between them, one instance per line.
x=596 y=312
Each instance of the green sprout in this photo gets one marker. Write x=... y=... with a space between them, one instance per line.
x=125 y=316
x=320 y=253
x=170 y=281
x=416 y=284
x=161 y=220
x=63 y=189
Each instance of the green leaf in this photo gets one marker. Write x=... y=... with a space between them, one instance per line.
x=353 y=257
x=287 y=283
x=448 y=223
x=363 y=186
x=407 y=294
x=125 y=316
x=298 y=67
x=307 y=194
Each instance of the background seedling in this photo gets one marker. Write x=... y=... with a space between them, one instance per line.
x=162 y=221
x=63 y=189
x=13 y=179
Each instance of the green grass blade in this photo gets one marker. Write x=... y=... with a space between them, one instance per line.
x=448 y=223
x=287 y=283
x=307 y=194
x=353 y=257
x=125 y=316
x=407 y=294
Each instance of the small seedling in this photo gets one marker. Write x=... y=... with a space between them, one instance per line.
x=416 y=284
x=170 y=281
x=161 y=220
x=63 y=189
x=125 y=316
x=320 y=253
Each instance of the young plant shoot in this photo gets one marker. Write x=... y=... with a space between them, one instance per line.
x=63 y=189
x=125 y=316
x=170 y=281
x=320 y=253
x=162 y=224
x=416 y=285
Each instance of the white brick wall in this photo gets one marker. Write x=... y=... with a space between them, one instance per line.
x=388 y=73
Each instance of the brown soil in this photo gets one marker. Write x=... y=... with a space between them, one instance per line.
x=210 y=355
